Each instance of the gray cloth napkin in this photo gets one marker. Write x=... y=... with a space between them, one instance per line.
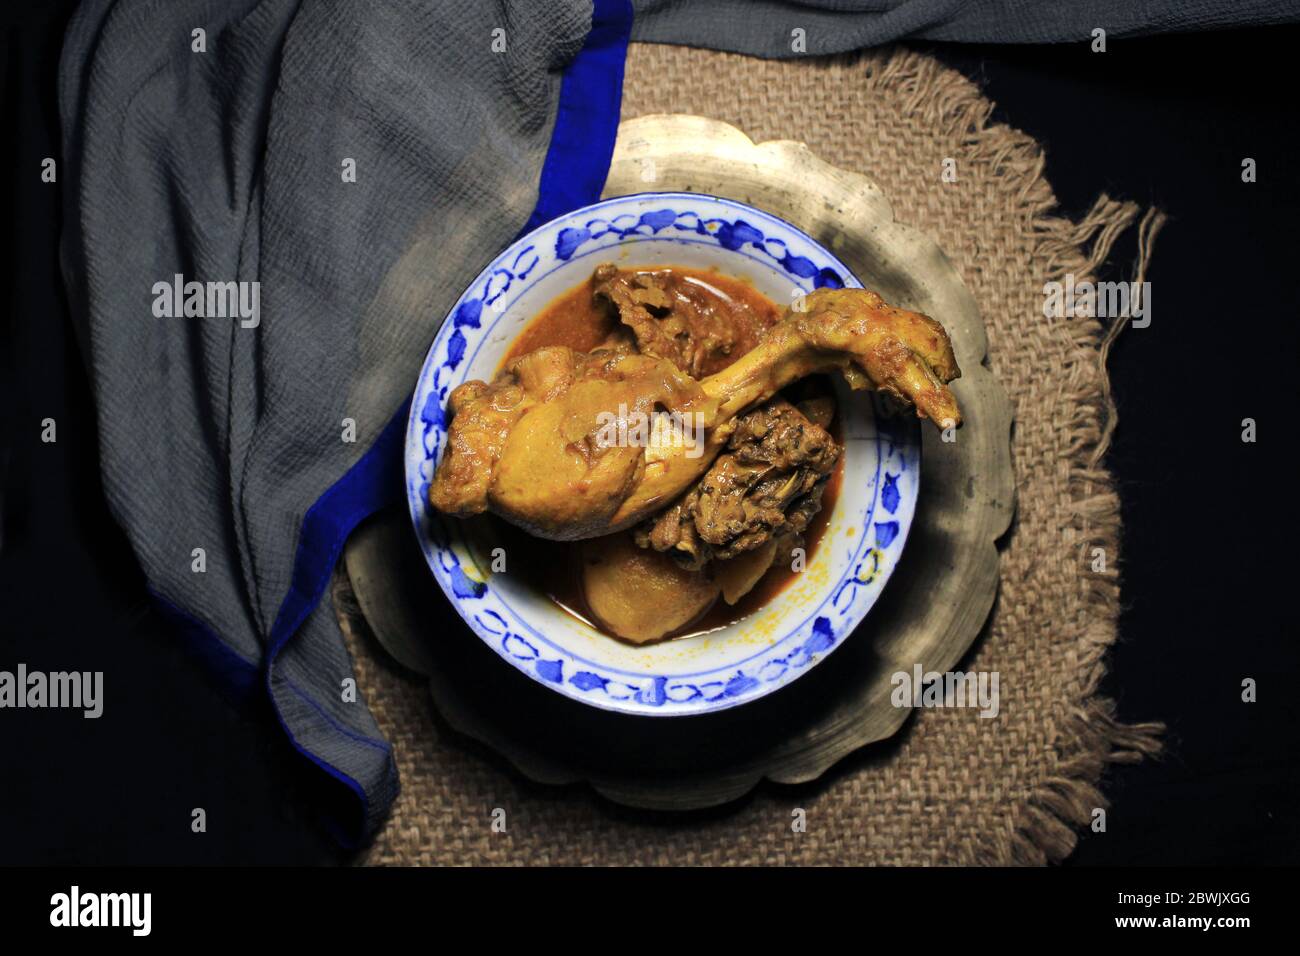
x=767 y=27
x=229 y=165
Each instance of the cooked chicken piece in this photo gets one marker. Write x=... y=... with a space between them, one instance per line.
x=903 y=354
x=534 y=445
x=678 y=317
x=541 y=444
x=767 y=483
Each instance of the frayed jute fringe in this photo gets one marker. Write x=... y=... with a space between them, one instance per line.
x=955 y=789
x=1091 y=736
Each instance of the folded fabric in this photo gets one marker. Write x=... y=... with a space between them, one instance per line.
x=270 y=206
x=785 y=28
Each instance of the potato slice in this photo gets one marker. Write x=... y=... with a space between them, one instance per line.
x=640 y=594
x=738 y=575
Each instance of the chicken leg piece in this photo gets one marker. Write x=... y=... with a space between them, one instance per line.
x=559 y=445
x=904 y=354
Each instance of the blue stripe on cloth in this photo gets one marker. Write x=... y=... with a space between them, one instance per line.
x=367 y=486
x=573 y=175
x=586 y=122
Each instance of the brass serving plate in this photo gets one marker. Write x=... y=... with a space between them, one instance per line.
x=930 y=614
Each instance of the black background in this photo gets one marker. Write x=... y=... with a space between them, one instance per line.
x=1208 y=519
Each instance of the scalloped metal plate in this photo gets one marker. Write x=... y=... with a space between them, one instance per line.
x=940 y=597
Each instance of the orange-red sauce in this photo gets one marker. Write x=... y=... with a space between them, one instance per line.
x=573 y=318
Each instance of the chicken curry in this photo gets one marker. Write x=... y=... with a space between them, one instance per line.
x=660 y=442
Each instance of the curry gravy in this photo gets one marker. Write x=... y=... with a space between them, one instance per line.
x=575 y=319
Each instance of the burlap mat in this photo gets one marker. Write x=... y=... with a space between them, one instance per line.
x=952 y=789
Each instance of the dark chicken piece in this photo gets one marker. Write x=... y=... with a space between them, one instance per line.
x=767 y=484
x=675 y=317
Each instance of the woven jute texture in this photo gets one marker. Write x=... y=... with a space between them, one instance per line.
x=954 y=789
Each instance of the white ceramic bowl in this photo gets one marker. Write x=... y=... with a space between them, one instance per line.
x=770 y=648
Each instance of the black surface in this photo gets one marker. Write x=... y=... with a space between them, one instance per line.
x=119 y=789
x=1208 y=519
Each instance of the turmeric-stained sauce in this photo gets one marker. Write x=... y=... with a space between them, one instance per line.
x=575 y=319
x=572 y=318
